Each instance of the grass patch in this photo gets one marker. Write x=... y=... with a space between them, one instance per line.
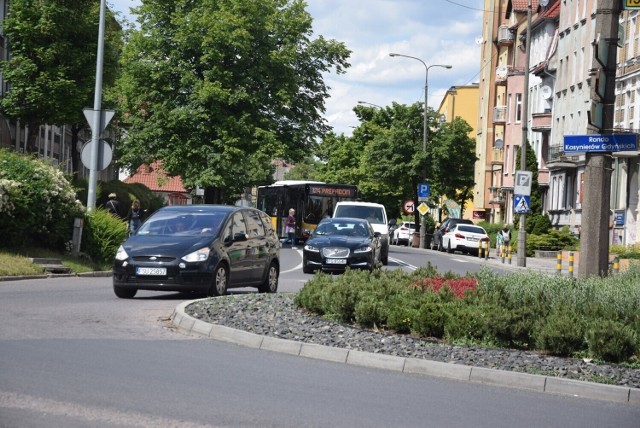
x=17 y=263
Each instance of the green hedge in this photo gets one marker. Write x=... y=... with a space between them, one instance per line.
x=548 y=313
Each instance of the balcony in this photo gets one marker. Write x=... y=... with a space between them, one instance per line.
x=558 y=158
x=500 y=114
x=541 y=122
x=505 y=36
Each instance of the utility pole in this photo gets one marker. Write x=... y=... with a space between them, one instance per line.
x=594 y=237
x=521 y=258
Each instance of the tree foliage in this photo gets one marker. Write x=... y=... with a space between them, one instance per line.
x=385 y=156
x=51 y=69
x=216 y=89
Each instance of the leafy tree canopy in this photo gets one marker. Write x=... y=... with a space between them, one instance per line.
x=51 y=69
x=216 y=89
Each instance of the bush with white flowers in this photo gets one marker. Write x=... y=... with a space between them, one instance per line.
x=37 y=203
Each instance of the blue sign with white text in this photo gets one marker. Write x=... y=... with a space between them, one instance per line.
x=424 y=190
x=600 y=143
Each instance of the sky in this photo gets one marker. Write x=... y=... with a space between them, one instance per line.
x=438 y=32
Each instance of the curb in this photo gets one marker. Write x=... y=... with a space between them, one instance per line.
x=548 y=384
x=57 y=275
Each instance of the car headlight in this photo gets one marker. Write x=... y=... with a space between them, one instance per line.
x=308 y=247
x=366 y=249
x=197 y=256
x=121 y=255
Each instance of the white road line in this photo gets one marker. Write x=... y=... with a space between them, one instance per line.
x=405 y=264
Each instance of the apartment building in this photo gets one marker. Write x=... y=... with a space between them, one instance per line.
x=559 y=102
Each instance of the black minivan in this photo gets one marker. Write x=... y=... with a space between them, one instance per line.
x=199 y=248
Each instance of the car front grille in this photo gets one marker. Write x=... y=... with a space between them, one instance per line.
x=153 y=259
x=335 y=252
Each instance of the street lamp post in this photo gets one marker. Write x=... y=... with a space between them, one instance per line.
x=371 y=104
x=425 y=134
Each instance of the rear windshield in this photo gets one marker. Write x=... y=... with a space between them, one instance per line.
x=375 y=215
x=471 y=229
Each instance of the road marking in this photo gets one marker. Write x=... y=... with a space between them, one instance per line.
x=405 y=264
x=294 y=268
x=92 y=414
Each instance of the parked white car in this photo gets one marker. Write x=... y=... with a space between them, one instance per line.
x=404 y=233
x=465 y=238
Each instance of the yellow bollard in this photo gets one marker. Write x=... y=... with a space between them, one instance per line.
x=616 y=265
x=571 y=264
x=480 y=249
x=488 y=248
x=509 y=253
x=559 y=262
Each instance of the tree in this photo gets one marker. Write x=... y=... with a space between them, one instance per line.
x=218 y=88
x=452 y=156
x=51 y=69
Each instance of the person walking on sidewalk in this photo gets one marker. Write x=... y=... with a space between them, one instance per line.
x=290 y=227
x=135 y=217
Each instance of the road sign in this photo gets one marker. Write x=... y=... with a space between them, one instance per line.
x=521 y=204
x=408 y=207
x=423 y=208
x=105 y=154
x=600 y=143
x=522 y=185
x=424 y=190
x=105 y=118
x=631 y=4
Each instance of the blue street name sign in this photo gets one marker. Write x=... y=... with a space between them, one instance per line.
x=521 y=204
x=424 y=190
x=600 y=143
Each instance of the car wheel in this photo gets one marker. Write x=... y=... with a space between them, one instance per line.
x=220 y=279
x=124 y=293
x=449 y=250
x=270 y=284
x=384 y=256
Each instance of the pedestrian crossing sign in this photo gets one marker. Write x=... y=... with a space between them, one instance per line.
x=521 y=204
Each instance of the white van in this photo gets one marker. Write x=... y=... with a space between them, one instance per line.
x=375 y=213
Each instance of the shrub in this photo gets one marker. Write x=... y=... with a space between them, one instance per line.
x=37 y=203
x=430 y=319
x=562 y=333
x=611 y=340
x=102 y=235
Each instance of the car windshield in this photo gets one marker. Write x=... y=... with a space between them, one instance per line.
x=172 y=223
x=341 y=228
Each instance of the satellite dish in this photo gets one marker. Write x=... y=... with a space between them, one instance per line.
x=498 y=144
x=479 y=40
x=544 y=3
x=501 y=72
x=546 y=92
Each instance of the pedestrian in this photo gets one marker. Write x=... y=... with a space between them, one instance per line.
x=113 y=205
x=135 y=217
x=290 y=227
x=506 y=237
x=499 y=243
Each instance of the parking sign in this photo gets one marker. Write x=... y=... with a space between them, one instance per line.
x=424 y=190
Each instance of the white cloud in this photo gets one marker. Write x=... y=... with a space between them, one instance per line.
x=436 y=31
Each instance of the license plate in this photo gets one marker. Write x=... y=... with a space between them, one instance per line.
x=473 y=239
x=151 y=271
x=336 y=261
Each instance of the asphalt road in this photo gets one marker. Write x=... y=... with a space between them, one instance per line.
x=73 y=355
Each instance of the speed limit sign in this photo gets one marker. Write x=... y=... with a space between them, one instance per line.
x=408 y=207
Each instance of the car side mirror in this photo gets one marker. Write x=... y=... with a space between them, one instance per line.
x=377 y=234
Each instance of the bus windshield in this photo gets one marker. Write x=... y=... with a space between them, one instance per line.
x=312 y=201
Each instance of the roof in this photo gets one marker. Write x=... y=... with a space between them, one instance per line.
x=156 y=179
x=521 y=5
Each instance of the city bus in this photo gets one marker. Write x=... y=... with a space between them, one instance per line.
x=312 y=200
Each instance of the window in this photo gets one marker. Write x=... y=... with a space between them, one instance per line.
x=254 y=224
x=518 y=108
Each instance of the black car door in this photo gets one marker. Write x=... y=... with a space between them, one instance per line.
x=236 y=245
x=258 y=253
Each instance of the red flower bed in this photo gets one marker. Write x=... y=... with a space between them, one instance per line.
x=458 y=285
